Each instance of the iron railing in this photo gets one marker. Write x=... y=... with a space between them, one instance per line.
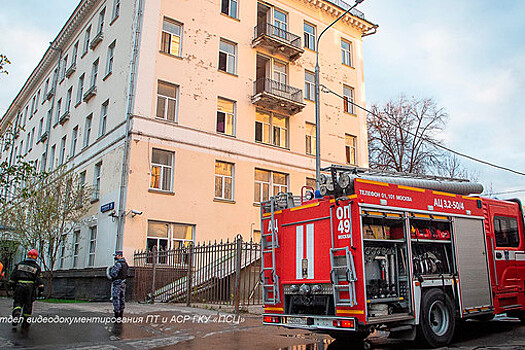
x=212 y=273
x=278 y=89
x=277 y=33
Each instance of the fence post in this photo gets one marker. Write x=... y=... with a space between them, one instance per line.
x=238 y=255
x=154 y=267
x=189 y=277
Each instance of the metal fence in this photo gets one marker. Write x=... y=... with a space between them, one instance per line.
x=213 y=273
x=278 y=89
x=277 y=33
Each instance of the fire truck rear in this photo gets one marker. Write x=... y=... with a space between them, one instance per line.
x=407 y=255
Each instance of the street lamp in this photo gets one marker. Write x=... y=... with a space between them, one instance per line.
x=317 y=97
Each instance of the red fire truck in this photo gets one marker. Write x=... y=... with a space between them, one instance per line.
x=409 y=255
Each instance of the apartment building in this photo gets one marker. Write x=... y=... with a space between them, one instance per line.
x=185 y=115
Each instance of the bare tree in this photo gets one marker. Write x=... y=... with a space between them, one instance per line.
x=45 y=219
x=398 y=135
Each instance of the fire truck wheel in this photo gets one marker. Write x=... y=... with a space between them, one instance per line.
x=436 y=321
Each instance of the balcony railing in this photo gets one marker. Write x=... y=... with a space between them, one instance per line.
x=275 y=38
x=276 y=95
x=345 y=6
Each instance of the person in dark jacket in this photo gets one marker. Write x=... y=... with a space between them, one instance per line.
x=118 y=274
x=24 y=280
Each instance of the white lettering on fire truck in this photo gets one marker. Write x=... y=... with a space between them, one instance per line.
x=370 y=193
x=343 y=215
x=343 y=237
x=446 y=204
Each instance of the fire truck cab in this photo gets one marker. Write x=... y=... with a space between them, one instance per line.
x=391 y=252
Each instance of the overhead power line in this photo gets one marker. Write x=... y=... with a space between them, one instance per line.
x=424 y=138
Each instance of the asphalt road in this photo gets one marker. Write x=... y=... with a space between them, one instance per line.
x=167 y=326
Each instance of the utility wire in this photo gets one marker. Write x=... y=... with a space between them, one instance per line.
x=326 y=89
x=508 y=192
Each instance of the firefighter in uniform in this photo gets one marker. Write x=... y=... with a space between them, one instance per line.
x=118 y=274
x=24 y=280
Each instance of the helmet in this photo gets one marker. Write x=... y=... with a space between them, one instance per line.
x=33 y=254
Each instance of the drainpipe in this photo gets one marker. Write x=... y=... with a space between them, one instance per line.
x=55 y=83
x=139 y=11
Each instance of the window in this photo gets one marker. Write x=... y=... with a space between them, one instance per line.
x=86 y=40
x=171 y=37
x=280 y=75
x=80 y=89
x=223 y=180
x=309 y=36
x=40 y=127
x=269 y=183
x=46 y=87
x=348 y=99
x=309 y=86
x=26 y=112
x=280 y=21
x=111 y=53
x=103 y=118
x=87 y=130
x=96 y=180
x=225 y=116
x=161 y=170
x=94 y=74
x=310 y=138
x=37 y=99
x=271 y=128
x=63 y=68
x=33 y=106
x=74 y=55
x=506 y=232
x=28 y=144
x=32 y=139
x=68 y=99
x=49 y=119
x=62 y=252
x=92 y=245
x=351 y=149
x=227 y=57
x=229 y=7
x=57 y=113
x=101 y=17
x=116 y=9
x=74 y=136
x=346 y=52
x=62 y=155
x=76 y=240
x=168 y=235
x=52 y=158
x=43 y=162
x=167 y=101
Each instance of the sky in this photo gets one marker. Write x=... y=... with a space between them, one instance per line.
x=467 y=55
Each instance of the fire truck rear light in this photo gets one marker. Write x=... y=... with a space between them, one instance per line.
x=343 y=323
x=272 y=319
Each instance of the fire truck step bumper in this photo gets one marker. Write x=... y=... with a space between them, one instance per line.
x=312 y=323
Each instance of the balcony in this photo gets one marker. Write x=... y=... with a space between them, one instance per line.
x=278 y=40
x=277 y=96
x=64 y=118
x=92 y=91
x=50 y=94
x=43 y=137
x=72 y=68
x=96 y=40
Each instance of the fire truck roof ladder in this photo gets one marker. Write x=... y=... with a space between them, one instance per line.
x=269 y=242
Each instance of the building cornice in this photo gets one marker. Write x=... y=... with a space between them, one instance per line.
x=73 y=24
x=336 y=8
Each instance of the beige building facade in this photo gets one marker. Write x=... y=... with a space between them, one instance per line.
x=185 y=117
